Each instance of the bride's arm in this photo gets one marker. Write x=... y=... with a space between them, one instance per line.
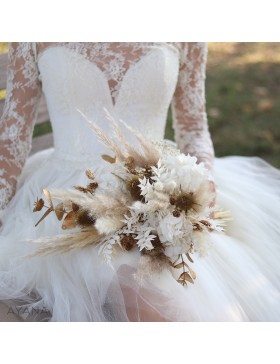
x=19 y=114
x=188 y=105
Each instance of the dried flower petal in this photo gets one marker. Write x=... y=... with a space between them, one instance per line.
x=128 y=242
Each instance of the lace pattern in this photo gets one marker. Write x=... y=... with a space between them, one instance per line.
x=19 y=115
x=113 y=59
x=188 y=105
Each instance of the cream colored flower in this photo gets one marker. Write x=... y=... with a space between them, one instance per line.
x=108 y=224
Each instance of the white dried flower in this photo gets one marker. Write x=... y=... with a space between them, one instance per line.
x=158 y=186
x=108 y=224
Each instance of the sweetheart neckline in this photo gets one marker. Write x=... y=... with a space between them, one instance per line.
x=133 y=68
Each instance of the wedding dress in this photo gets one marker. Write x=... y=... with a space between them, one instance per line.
x=238 y=278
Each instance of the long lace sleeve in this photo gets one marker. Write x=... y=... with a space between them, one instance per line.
x=19 y=114
x=188 y=105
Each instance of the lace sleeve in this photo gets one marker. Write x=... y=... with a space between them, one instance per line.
x=20 y=109
x=188 y=105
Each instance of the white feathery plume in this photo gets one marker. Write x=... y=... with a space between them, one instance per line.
x=104 y=139
x=151 y=154
x=60 y=244
x=105 y=205
x=142 y=156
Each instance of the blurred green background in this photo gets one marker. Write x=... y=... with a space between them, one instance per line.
x=243 y=99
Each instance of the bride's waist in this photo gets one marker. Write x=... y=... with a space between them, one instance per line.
x=80 y=160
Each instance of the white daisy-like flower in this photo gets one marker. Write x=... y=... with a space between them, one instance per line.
x=145 y=186
x=145 y=239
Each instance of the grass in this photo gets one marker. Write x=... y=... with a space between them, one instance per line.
x=3 y=47
x=243 y=100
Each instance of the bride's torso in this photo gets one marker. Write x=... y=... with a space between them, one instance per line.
x=135 y=82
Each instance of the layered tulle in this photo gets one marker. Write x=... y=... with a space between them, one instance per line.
x=237 y=280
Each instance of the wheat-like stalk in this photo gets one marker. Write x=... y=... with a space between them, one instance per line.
x=60 y=244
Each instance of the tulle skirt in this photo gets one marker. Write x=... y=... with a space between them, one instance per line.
x=238 y=279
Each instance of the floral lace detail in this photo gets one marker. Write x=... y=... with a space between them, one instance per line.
x=114 y=60
x=188 y=105
x=19 y=114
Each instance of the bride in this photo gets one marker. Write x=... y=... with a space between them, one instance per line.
x=238 y=279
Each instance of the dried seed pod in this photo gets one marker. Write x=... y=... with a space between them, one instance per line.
x=85 y=218
x=157 y=243
x=39 y=204
x=128 y=242
x=185 y=201
x=172 y=200
x=197 y=227
x=134 y=189
x=148 y=173
x=176 y=213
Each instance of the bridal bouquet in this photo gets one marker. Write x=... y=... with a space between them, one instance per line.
x=158 y=204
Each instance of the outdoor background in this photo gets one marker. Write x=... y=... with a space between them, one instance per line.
x=243 y=99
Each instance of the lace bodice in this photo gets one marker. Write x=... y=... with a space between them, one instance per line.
x=135 y=82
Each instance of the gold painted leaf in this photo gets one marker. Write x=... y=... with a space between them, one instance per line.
x=48 y=196
x=108 y=159
x=59 y=211
x=180 y=265
x=182 y=282
x=189 y=257
x=192 y=273
x=186 y=277
x=69 y=221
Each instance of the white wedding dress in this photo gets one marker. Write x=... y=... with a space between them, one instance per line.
x=238 y=278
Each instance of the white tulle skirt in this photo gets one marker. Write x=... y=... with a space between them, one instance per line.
x=237 y=280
